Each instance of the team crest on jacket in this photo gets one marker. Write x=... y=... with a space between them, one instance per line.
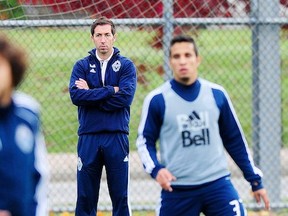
x=24 y=138
x=116 y=66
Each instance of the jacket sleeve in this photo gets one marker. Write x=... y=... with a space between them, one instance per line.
x=83 y=97
x=42 y=167
x=148 y=133
x=127 y=87
x=234 y=140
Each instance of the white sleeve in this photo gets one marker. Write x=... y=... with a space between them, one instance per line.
x=42 y=166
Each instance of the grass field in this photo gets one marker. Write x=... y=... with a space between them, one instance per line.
x=226 y=60
x=151 y=213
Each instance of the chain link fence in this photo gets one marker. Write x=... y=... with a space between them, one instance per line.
x=244 y=48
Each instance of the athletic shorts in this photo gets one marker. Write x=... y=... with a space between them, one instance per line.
x=217 y=198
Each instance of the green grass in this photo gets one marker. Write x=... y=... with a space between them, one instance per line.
x=152 y=213
x=52 y=53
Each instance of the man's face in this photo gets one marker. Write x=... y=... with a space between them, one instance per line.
x=103 y=40
x=184 y=62
x=6 y=86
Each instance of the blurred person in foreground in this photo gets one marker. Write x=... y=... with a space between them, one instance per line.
x=102 y=86
x=194 y=121
x=23 y=156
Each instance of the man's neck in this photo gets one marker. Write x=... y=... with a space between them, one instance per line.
x=104 y=56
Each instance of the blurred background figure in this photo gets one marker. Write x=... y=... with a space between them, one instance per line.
x=23 y=157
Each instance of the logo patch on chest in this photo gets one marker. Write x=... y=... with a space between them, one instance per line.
x=194 y=128
x=24 y=138
x=92 y=68
x=116 y=66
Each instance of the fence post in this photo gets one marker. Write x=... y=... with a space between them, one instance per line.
x=267 y=94
x=167 y=34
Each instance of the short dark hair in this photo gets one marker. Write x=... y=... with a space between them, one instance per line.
x=184 y=38
x=16 y=57
x=103 y=21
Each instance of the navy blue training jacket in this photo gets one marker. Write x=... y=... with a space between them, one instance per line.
x=100 y=109
x=23 y=159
